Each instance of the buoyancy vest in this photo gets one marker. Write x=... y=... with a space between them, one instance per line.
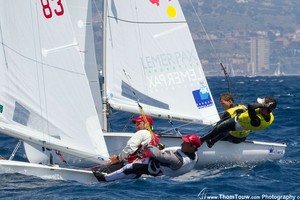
x=236 y=110
x=245 y=121
x=240 y=133
x=188 y=165
x=140 y=152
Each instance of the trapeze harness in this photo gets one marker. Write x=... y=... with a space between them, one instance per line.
x=141 y=152
x=234 y=111
x=245 y=121
x=157 y=168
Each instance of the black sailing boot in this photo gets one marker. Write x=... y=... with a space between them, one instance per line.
x=210 y=143
x=99 y=175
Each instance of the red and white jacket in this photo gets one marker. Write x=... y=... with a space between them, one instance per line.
x=136 y=145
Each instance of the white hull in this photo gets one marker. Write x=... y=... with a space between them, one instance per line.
x=47 y=172
x=222 y=152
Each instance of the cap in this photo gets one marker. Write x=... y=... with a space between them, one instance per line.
x=140 y=118
x=270 y=102
x=260 y=100
x=192 y=139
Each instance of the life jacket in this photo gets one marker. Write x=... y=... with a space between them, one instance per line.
x=244 y=120
x=156 y=168
x=240 y=133
x=233 y=111
x=237 y=110
x=141 y=152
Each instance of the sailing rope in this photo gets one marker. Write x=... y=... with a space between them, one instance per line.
x=141 y=109
x=15 y=150
x=177 y=132
x=128 y=122
x=61 y=157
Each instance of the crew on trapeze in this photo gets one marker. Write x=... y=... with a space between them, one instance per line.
x=232 y=110
x=258 y=116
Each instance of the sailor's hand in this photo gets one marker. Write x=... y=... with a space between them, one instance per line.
x=161 y=146
x=114 y=159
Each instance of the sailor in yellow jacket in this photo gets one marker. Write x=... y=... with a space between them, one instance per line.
x=236 y=136
x=231 y=110
x=257 y=117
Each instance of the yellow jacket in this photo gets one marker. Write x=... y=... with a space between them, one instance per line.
x=245 y=121
x=233 y=112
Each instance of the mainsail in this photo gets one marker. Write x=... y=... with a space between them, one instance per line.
x=44 y=89
x=151 y=58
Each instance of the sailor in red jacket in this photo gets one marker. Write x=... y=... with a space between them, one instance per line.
x=135 y=148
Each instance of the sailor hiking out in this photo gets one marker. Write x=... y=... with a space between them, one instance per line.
x=169 y=162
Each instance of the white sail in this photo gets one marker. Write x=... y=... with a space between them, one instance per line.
x=151 y=42
x=45 y=92
x=81 y=17
x=277 y=71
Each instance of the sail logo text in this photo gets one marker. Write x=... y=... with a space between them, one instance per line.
x=170 y=59
x=173 y=78
x=272 y=150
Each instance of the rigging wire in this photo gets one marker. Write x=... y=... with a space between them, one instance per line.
x=127 y=124
x=228 y=79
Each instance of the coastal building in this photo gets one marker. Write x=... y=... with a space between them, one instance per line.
x=259 y=55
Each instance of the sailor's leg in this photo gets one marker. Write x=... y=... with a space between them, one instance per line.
x=129 y=171
x=109 y=168
x=117 y=166
x=235 y=140
x=224 y=127
x=220 y=136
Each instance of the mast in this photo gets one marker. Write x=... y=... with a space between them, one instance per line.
x=104 y=87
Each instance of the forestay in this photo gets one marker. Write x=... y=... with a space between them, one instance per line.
x=44 y=89
x=150 y=41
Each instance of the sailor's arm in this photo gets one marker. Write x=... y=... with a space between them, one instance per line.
x=225 y=116
x=166 y=157
x=255 y=121
x=141 y=137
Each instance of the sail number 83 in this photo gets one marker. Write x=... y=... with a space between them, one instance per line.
x=48 y=9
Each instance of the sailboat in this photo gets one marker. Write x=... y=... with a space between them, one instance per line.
x=278 y=71
x=50 y=93
x=230 y=70
x=46 y=97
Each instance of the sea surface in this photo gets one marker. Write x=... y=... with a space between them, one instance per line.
x=268 y=180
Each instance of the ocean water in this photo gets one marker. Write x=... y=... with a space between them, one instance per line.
x=268 y=180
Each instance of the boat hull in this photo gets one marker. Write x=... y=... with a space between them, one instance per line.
x=221 y=153
x=47 y=172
